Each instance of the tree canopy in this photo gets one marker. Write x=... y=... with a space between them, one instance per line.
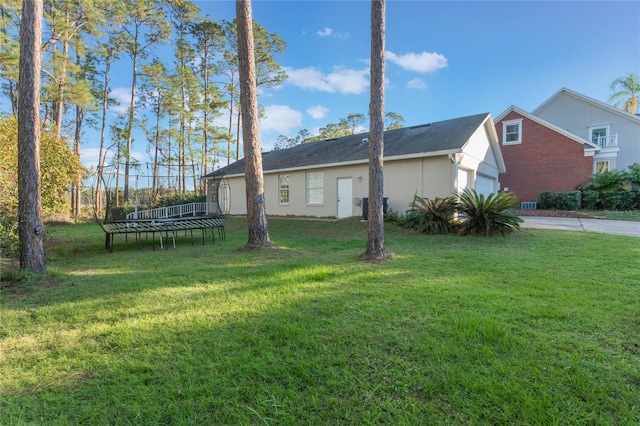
x=626 y=92
x=58 y=166
x=350 y=125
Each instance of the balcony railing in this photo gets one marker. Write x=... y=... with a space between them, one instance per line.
x=606 y=141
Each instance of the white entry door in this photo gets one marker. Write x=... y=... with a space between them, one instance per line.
x=345 y=195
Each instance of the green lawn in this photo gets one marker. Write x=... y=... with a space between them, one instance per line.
x=537 y=328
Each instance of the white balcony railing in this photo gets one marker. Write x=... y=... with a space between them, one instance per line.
x=191 y=209
x=606 y=141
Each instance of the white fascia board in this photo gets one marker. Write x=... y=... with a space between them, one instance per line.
x=589 y=100
x=494 y=141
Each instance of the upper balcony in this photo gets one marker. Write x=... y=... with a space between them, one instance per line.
x=608 y=141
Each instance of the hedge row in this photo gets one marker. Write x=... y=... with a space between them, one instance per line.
x=590 y=200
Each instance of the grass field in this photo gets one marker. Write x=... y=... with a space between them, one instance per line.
x=537 y=328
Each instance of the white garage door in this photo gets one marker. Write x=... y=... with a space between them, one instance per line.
x=484 y=185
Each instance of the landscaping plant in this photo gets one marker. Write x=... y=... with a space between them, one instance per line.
x=487 y=215
x=431 y=216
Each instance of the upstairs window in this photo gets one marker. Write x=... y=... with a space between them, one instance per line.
x=512 y=132
x=599 y=135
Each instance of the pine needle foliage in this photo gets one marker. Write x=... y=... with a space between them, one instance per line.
x=431 y=216
x=487 y=215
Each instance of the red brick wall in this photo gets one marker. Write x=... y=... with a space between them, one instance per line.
x=544 y=161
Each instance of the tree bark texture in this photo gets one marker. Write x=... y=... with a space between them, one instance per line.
x=31 y=231
x=375 y=237
x=256 y=209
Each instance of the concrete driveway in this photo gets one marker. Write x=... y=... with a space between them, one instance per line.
x=605 y=226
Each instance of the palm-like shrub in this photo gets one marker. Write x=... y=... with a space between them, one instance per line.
x=431 y=216
x=487 y=215
x=611 y=180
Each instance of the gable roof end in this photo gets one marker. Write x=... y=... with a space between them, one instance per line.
x=588 y=146
x=589 y=100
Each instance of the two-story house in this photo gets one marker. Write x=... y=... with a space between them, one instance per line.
x=617 y=132
x=563 y=142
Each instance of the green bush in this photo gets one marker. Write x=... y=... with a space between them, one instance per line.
x=612 y=180
x=487 y=215
x=431 y=216
x=590 y=200
x=9 y=235
x=633 y=176
x=570 y=200
x=394 y=217
x=620 y=200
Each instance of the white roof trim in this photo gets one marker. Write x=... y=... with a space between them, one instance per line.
x=589 y=146
x=589 y=100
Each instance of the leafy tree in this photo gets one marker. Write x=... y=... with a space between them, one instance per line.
x=354 y=122
x=31 y=229
x=393 y=120
x=144 y=27
x=10 y=50
x=344 y=127
x=375 y=236
x=626 y=92
x=284 y=142
x=209 y=39
x=258 y=228
x=268 y=71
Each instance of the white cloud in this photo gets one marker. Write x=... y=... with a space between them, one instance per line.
x=416 y=83
x=341 y=80
x=325 y=32
x=280 y=118
x=420 y=62
x=317 y=111
x=123 y=96
x=329 y=32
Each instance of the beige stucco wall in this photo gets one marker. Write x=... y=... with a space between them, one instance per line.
x=427 y=177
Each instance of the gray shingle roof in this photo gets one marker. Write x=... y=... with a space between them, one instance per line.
x=448 y=135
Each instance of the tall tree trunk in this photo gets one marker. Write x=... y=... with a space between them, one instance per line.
x=230 y=123
x=238 y=134
x=77 y=188
x=375 y=236
x=103 y=128
x=258 y=228
x=31 y=231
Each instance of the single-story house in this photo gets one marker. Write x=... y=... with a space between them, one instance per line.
x=541 y=156
x=329 y=178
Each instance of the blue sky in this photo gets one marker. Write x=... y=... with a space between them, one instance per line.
x=444 y=59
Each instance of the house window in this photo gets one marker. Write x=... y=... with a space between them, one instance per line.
x=599 y=135
x=315 y=188
x=602 y=166
x=283 y=185
x=511 y=132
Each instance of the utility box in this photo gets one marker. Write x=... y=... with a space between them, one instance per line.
x=365 y=207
